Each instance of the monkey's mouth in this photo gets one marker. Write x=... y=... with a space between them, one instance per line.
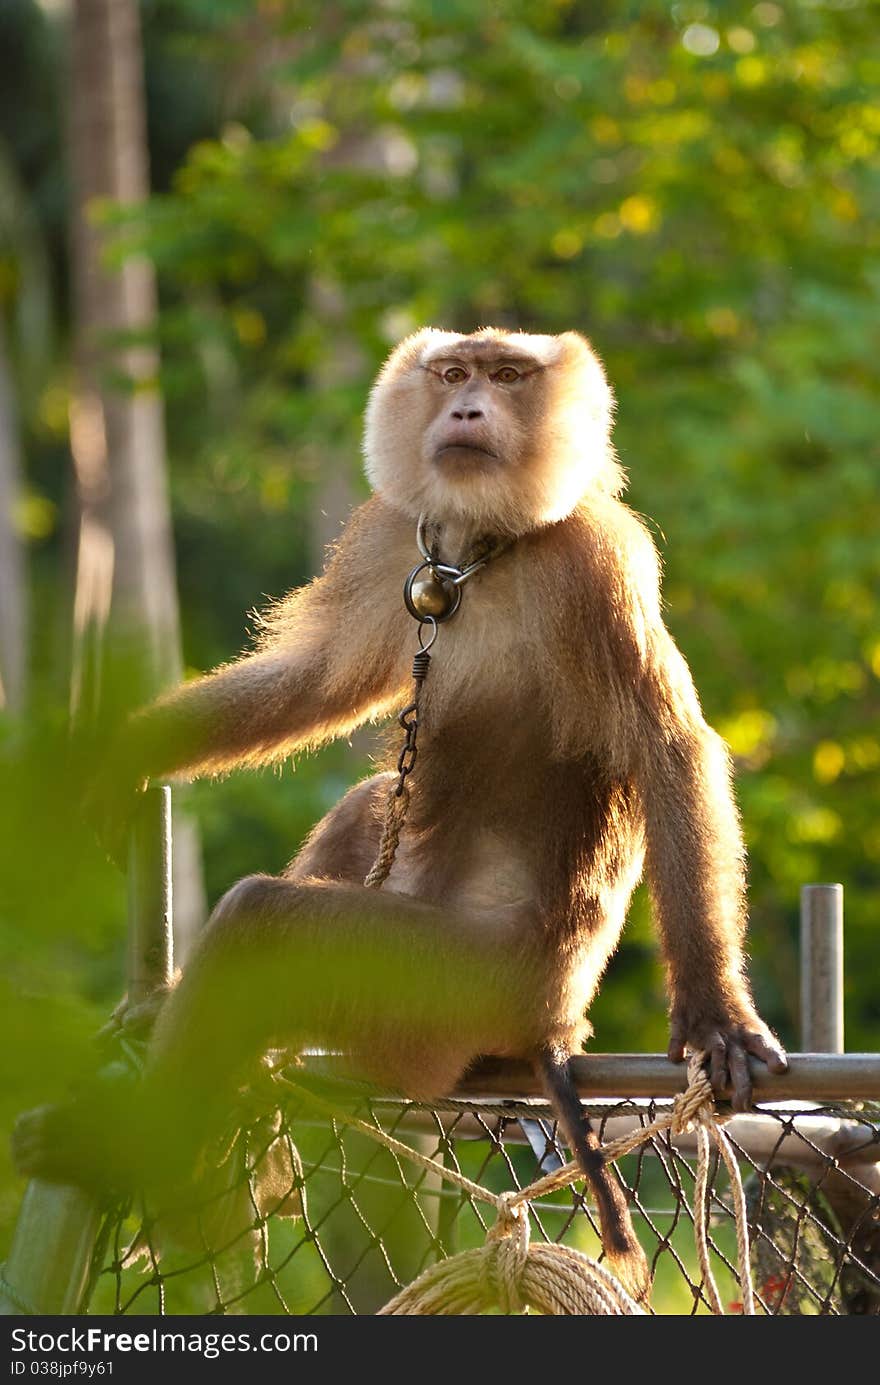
x=460 y=451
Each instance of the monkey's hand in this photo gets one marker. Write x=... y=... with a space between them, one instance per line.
x=728 y=1037
x=134 y=1021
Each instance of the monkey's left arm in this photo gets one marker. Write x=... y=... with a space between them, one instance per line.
x=695 y=860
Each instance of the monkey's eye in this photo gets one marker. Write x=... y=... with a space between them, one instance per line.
x=506 y=375
x=454 y=375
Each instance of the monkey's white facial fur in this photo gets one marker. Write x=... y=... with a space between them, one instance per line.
x=504 y=429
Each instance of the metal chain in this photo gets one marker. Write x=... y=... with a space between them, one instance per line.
x=409 y=717
x=485 y=549
x=397 y=805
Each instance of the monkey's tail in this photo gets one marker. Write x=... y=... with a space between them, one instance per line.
x=625 y=1256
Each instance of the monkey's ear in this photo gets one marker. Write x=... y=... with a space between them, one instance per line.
x=577 y=347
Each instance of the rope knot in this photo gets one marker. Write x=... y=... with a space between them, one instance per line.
x=505 y=1255
x=695 y=1105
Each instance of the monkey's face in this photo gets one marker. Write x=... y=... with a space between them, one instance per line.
x=503 y=428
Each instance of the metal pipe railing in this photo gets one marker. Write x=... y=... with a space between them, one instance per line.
x=811 y=1077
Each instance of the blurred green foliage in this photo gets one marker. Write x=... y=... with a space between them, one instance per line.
x=696 y=187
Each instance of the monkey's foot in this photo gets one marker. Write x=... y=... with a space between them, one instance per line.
x=43 y=1146
x=89 y=1141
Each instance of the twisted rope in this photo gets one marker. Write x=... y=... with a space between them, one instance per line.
x=509 y=1273
x=395 y=816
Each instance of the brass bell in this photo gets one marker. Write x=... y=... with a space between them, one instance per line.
x=430 y=596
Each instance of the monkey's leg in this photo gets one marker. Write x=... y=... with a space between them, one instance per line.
x=414 y=993
x=625 y=1255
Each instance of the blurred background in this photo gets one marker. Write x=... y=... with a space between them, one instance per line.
x=216 y=218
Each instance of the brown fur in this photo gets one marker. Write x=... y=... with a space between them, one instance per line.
x=561 y=746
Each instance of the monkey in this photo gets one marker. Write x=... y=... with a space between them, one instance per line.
x=561 y=753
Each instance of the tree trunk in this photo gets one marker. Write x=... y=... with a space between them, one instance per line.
x=13 y=585
x=332 y=494
x=125 y=607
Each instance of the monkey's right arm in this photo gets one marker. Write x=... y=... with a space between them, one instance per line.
x=328 y=658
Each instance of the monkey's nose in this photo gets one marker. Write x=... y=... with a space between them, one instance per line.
x=462 y=415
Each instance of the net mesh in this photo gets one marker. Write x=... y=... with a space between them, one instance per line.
x=302 y=1215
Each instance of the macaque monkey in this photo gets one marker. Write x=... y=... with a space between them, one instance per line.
x=561 y=750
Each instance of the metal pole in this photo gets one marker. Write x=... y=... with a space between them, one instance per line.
x=822 y=968
x=150 y=937
x=47 y=1269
